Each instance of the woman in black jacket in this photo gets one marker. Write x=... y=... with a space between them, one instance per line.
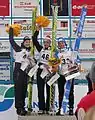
x=20 y=77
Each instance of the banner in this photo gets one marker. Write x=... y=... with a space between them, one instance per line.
x=25 y=27
x=4 y=7
x=88 y=30
x=4 y=69
x=3 y=24
x=62 y=29
x=7 y=104
x=86 y=49
x=77 y=6
x=4 y=46
x=24 y=8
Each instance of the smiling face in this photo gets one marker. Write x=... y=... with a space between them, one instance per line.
x=47 y=44
x=27 y=43
x=61 y=44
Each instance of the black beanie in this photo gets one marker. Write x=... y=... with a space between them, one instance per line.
x=26 y=38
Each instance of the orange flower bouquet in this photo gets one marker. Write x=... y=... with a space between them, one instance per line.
x=16 y=29
x=42 y=21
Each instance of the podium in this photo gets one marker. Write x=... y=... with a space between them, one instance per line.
x=46 y=117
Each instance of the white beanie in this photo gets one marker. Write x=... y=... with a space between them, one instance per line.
x=47 y=38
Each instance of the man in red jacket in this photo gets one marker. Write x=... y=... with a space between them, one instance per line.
x=86 y=102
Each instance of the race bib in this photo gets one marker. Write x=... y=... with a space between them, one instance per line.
x=44 y=56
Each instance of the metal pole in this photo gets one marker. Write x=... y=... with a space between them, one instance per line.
x=70 y=25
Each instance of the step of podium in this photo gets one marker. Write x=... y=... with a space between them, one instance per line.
x=46 y=117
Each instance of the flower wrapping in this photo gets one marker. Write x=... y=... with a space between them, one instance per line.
x=54 y=63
